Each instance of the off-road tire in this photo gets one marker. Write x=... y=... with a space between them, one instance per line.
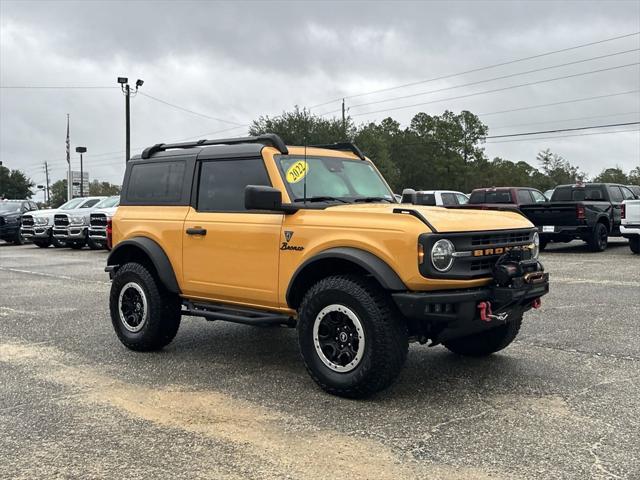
x=485 y=343
x=77 y=245
x=634 y=244
x=42 y=243
x=385 y=334
x=162 y=314
x=599 y=238
x=93 y=245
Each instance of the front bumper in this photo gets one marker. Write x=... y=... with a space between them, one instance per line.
x=71 y=232
x=36 y=232
x=9 y=230
x=98 y=233
x=445 y=315
x=629 y=230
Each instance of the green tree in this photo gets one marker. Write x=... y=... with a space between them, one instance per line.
x=14 y=184
x=612 y=175
x=99 y=188
x=557 y=170
x=58 y=193
x=634 y=176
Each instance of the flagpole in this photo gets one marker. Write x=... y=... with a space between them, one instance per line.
x=69 y=180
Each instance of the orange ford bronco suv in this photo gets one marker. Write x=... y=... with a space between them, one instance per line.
x=251 y=231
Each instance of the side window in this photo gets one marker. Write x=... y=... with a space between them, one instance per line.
x=627 y=194
x=615 y=193
x=462 y=199
x=524 y=196
x=34 y=206
x=156 y=183
x=538 y=197
x=448 y=199
x=90 y=203
x=222 y=183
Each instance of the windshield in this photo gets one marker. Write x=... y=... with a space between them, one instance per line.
x=71 y=204
x=109 y=202
x=341 y=179
x=10 y=207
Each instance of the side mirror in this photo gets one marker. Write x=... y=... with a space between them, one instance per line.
x=260 y=197
x=408 y=195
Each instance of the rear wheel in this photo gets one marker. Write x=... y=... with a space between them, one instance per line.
x=599 y=238
x=144 y=315
x=353 y=341
x=487 y=342
x=634 y=244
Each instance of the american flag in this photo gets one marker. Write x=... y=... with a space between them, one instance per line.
x=68 y=147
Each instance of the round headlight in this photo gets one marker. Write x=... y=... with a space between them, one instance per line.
x=536 y=245
x=442 y=255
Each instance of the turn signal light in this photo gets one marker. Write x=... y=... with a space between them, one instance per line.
x=580 y=212
x=420 y=254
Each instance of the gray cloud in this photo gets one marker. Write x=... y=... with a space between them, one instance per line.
x=239 y=60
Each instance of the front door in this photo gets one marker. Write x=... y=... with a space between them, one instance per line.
x=230 y=254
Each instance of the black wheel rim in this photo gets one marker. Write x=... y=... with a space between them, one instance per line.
x=602 y=238
x=132 y=305
x=339 y=338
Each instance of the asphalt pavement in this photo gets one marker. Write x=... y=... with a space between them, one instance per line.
x=231 y=401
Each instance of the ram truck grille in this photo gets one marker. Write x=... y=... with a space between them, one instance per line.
x=27 y=220
x=61 y=220
x=98 y=220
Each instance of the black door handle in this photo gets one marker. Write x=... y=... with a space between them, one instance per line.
x=196 y=231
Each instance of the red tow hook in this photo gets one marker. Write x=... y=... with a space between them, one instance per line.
x=485 y=311
x=537 y=303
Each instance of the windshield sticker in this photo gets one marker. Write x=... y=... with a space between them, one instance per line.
x=297 y=171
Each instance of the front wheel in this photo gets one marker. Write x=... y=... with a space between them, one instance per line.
x=42 y=243
x=599 y=238
x=144 y=315
x=19 y=240
x=93 y=245
x=634 y=244
x=57 y=243
x=353 y=341
x=487 y=342
x=78 y=245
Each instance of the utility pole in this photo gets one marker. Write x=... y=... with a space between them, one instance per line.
x=81 y=150
x=69 y=180
x=344 y=120
x=47 y=194
x=126 y=90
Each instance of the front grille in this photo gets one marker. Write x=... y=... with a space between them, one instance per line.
x=98 y=220
x=480 y=254
x=27 y=220
x=61 y=220
x=500 y=239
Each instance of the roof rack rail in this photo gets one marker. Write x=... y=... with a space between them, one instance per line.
x=269 y=139
x=343 y=147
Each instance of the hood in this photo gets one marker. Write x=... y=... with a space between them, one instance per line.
x=109 y=212
x=448 y=220
x=43 y=213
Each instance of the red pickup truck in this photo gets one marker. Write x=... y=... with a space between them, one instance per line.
x=505 y=198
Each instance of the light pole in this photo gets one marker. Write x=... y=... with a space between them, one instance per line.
x=126 y=89
x=81 y=150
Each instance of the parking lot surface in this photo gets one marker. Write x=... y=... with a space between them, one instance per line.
x=231 y=401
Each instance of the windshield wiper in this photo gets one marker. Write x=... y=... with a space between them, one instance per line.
x=373 y=199
x=320 y=199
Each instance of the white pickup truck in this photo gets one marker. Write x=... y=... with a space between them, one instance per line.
x=630 y=227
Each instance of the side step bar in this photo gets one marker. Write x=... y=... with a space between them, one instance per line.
x=212 y=311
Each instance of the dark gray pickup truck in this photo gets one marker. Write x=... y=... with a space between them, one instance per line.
x=587 y=211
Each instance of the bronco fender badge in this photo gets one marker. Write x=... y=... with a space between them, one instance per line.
x=288 y=235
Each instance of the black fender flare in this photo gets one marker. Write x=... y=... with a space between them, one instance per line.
x=378 y=268
x=154 y=252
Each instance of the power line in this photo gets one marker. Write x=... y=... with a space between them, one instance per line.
x=500 y=127
x=565 y=136
x=478 y=82
x=187 y=110
x=56 y=87
x=479 y=69
x=495 y=90
x=523 y=134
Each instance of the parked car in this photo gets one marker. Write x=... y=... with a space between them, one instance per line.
x=72 y=228
x=586 y=211
x=434 y=198
x=252 y=231
x=38 y=226
x=11 y=213
x=505 y=198
x=548 y=193
x=630 y=227
x=98 y=221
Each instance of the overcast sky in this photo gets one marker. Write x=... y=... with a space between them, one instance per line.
x=236 y=61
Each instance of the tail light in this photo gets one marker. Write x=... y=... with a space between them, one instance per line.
x=109 y=234
x=580 y=212
x=623 y=211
